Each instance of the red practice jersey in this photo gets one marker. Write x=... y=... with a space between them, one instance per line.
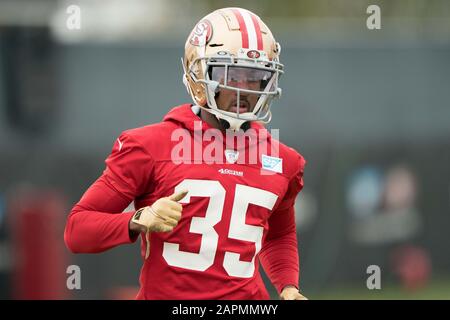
x=235 y=215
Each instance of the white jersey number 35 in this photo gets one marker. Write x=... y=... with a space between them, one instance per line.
x=244 y=195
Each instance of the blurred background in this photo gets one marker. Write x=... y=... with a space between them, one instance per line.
x=368 y=109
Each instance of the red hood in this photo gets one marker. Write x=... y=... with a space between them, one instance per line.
x=185 y=118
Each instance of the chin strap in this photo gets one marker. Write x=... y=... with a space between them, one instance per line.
x=231 y=123
x=245 y=125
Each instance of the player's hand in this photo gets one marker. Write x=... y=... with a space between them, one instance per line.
x=291 y=293
x=162 y=216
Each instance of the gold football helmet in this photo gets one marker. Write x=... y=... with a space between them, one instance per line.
x=228 y=46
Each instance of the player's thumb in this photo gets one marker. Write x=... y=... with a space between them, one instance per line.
x=177 y=196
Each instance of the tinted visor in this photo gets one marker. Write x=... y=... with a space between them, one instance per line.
x=241 y=77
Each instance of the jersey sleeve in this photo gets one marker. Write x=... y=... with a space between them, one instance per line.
x=97 y=222
x=295 y=185
x=129 y=167
x=279 y=254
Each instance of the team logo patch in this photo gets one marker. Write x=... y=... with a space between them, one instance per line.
x=253 y=54
x=201 y=34
x=231 y=156
x=272 y=163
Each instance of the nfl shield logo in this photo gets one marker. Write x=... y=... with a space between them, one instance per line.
x=231 y=156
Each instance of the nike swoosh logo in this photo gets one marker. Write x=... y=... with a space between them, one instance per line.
x=120 y=144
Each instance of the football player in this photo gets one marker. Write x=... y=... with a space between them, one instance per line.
x=205 y=225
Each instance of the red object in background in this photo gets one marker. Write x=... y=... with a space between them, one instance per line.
x=39 y=257
x=413 y=266
x=122 y=293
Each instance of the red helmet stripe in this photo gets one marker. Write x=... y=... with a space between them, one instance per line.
x=258 y=32
x=242 y=27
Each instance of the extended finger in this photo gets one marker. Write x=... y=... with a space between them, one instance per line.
x=177 y=196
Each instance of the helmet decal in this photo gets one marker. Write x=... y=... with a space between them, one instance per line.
x=253 y=54
x=201 y=34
